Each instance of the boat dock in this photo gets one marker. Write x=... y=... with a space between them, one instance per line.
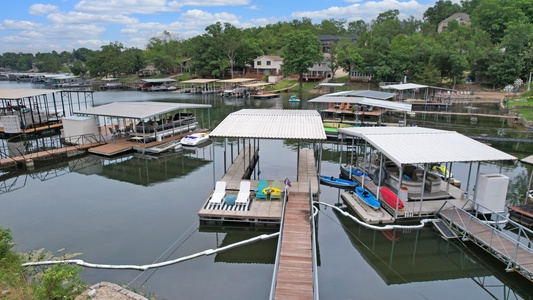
x=257 y=211
x=265 y=96
x=412 y=209
x=30 y=158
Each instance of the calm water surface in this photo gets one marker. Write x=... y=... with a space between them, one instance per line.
x=138 y=210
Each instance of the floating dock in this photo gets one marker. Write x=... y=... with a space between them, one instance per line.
x=257 y=211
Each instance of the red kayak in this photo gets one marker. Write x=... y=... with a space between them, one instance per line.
x=391 y=198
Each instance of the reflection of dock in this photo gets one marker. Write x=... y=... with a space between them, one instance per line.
x=265 y=96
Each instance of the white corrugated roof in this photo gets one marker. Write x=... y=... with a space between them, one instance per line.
x=137 y=110
x=410 y=145
x=363 y=101
x=199 y=80
x=14 y=94
x=404 y=86
x=158 y=80
x=272 y=124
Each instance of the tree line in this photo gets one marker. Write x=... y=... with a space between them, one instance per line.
x=495 y=48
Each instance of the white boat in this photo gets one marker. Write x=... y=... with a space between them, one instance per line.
x=194 y=139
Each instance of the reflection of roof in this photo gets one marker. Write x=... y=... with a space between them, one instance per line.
x=151 y=170
x=138 y=110
x=13 y=94
x=397 y=262
x=272 y=124
x=158 y=80
x=411 y=145
x=199 y=81
x=259 y=252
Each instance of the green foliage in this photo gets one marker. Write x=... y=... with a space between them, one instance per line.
x=440 y=11
x=60 y=282
x=302 y=51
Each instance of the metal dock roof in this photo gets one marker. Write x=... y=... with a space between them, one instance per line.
x=14 y=94
x=272 y=124
x=411 y=145
x=137 y=110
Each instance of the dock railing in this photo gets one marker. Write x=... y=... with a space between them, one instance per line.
x=278 y=250
x=508 y=244
x=314 y=212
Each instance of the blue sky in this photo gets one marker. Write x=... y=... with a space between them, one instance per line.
x=63 y=25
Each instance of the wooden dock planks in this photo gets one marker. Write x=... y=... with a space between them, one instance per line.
x=295 y=272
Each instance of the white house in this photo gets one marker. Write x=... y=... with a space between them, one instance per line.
x=461 y=18
x=268 y=64
x=320 y=69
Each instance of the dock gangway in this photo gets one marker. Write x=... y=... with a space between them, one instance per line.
x=295 y=273
x=511 y=244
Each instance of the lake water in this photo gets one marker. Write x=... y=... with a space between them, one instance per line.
x=138 y=210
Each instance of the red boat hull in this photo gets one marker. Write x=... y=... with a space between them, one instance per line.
x=391 y=198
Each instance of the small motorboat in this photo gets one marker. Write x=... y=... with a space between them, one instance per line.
x=337 y=182
x=293 y=98
x=391 y=198
x=367 y=197
x=194 y=139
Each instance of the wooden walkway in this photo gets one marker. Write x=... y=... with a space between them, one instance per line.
x=295 y=271
x=518 y=257
x=43 y=155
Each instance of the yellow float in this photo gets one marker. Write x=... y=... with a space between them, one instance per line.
x=269 y=190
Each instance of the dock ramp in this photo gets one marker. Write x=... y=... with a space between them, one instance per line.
x=444 y=229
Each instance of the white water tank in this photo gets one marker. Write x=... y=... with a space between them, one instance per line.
x=492 y=192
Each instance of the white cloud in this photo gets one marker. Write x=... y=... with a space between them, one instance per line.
x=86 y=18
x=18 y=25
x=254 y=7
x=123 y=6
x=42 y=9
x=365 y=11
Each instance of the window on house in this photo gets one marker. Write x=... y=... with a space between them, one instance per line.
x=259 y=63
x=268 y=62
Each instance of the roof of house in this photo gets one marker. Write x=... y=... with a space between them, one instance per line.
x=272 y=57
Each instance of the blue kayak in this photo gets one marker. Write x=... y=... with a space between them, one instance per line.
x=367 y=197
x=337 y=182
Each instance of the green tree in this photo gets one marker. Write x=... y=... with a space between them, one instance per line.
x=302 y=51
x=165 y=51
x=358 y=27
x=440 y=11
x=347 y=55
x=78 y=68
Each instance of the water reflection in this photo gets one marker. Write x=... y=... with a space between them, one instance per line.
x=408 y=256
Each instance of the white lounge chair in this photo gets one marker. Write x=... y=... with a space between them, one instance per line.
x=219 y=193
x=244 y=193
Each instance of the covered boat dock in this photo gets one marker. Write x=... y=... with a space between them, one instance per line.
x=140 y=123
x=389 y=152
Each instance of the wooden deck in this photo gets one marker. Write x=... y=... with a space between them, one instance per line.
x=43 y=155
x=124 y=143
x=519 y=258
x=257 y=210
x=295 y=271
